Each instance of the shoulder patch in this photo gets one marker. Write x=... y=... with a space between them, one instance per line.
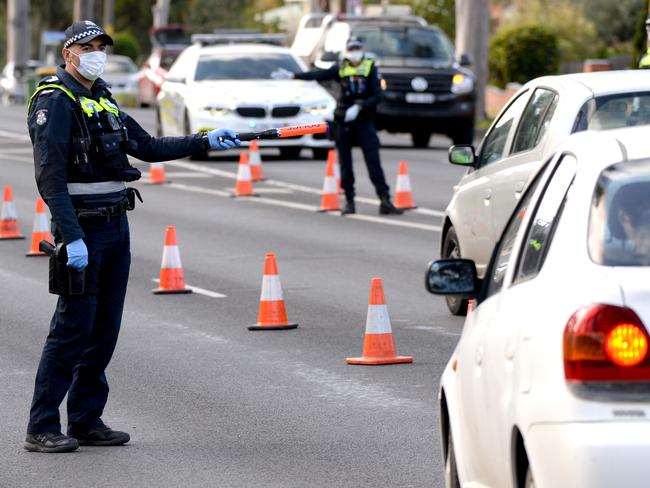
x=41 y=117
x=45 y=92
x=50 y=79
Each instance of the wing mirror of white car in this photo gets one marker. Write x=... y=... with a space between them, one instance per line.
x=462 y=154
x=329 y=56
x=452 y=277
x=175 y=79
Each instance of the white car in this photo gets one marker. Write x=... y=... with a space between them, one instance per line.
x=121 y=74
x=230 y=86
x=549 y=384
x=538 y=118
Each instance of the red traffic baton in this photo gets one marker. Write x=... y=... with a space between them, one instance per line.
x=283 y=132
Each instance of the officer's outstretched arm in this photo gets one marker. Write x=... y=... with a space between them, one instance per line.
x=51 y=123
x=147 y=148
x=319 y=74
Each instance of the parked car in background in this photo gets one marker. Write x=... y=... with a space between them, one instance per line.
x=121 y=74
x=548 y=385
x=14 y=81
x=224 y=80
x=527 y=131
x=425 y=88
x=152 y=73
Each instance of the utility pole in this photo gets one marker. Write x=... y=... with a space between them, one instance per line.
x=160 y=13
x=472 y=33
x=108 y=23
x=83 y=9
x=19 y=45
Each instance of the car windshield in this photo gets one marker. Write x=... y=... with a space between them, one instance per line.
x=253 y=66
x=423 y=44
x=167 y=57
x=619 y=221
x=614 y=112
x=114 y=66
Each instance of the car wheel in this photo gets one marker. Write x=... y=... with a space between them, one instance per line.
x=187 y=129
x=451 y=470
x=530 y=481
x=420 y=139
x=290 y=152
x=451 y=250
x=463 y=134
x=320 y=153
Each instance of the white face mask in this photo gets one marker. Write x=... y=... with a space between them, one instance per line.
x=91 y=65
x=354 y=56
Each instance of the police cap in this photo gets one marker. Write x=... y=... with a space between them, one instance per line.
x=354 y=43
x=84 y=31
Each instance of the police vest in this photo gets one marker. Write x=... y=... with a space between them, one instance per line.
x=645 y=60
x=354 y=80
x=100 y=135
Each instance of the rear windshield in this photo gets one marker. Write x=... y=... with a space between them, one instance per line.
x=614 y=112
x=254 y=66
x=619 y=221
x=407 y=43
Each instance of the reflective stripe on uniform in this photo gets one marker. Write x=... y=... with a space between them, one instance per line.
x=363 y=69
x=49 y=86
x=645 y=60
x=97 y=188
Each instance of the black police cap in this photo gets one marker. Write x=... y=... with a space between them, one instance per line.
x=84 y=31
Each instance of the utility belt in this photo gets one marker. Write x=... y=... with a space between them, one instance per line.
x=110 y=212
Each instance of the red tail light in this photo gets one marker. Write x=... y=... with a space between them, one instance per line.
x=606 y=343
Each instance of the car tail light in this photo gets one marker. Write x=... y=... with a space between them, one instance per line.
x=606 y=343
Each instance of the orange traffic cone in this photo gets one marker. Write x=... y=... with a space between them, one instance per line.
x=403 y=192
x=171 y=269
x=378 y=346
x=331 y=156
x=244 y=185
x=41 y=229
x=272 y=313
x=8 y=217
x=157 y=175
x=255 y=159
x=330 y=197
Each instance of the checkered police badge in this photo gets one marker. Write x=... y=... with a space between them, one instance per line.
x=41 y=117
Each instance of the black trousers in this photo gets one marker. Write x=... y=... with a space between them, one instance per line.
x=83 y=334
x=360 y=133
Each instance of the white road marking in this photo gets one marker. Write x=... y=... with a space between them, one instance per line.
x=17 y=150
x=19 y=136
x=200 y=291
x=180 y=174
x=398 y=223
x=198 y=189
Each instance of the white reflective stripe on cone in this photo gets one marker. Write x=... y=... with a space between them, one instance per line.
x=9 y=211
x=403 y=183
x=171 y=258
x=271 y=288
x=40 y=223
x=244 y=172
x=378 y=321
x=329 y=185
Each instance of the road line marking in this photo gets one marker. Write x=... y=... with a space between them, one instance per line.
x=17 y=150
x=18 y=159
x=179 y=174
x=199 y=291
x=198 y=189
x=272 y=191
x=399 y=223
x=19 y=136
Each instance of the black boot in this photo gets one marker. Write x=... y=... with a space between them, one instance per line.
x=99 y=436
x=350 y=207
x=386 y=207
x=50 y=442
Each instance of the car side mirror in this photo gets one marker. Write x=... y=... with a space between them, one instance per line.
x=462 y=154
x=465 y=60
x=452 y=277
x=175 y=79
x=329 y=56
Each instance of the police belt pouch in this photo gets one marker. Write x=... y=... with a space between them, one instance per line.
x=64 y=280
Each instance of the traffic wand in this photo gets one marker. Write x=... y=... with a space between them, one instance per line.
x=283 y=132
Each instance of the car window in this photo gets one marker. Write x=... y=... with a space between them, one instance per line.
x=411 y=42
x=545 y=219
x=619 y=219
x=501 y=257
x=614 y=112
x=120 y=66
x=494 y=147
x=535 y=120
x=257 y=66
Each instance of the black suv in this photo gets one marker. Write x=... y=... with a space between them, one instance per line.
x=425 y=89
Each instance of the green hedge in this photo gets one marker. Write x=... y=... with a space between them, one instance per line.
x=127 y=45
x=521 y=53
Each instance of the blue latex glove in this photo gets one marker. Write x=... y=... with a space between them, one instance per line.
x=215 y=143
x=77 y=254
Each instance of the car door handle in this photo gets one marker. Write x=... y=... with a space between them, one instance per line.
x=488 y=194
x=519 y=187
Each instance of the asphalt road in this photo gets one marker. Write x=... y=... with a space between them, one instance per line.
x=209 y=403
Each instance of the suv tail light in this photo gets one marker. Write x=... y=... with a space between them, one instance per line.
x=606 y=343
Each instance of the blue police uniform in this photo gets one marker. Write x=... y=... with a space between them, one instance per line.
x=359 y=85
x=81 y=141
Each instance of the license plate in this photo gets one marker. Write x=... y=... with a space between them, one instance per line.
x=420 y=97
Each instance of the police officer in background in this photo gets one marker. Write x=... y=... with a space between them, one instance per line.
x=353 y=117
x=81 y=140
x=644 y=63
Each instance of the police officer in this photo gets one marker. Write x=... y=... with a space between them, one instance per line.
x=355 y=110
x=81 y=139
x=644 y=63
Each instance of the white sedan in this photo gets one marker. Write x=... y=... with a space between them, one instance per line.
x=529 y=129
x=230 y=86
x=549 y=385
